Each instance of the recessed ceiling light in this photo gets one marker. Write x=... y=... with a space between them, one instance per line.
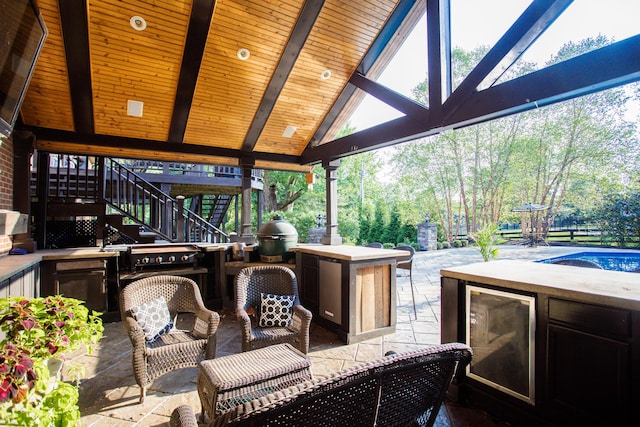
x=134 y=108
x=289 y=131
x=138 y=23
x=326 y=74
x=243 y=54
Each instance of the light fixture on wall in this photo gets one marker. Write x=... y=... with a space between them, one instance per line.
x=326 y=74
x=243 y=54
x=138 y=23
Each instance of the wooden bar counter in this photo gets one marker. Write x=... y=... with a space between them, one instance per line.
x=351 y=290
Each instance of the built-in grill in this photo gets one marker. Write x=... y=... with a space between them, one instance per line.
x=146 y=260
x=152 y=257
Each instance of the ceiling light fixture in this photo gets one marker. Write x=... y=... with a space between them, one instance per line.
x=134 y=108
x=289 y=131
x=138 y=23
x=243 y=54
x=326 y=75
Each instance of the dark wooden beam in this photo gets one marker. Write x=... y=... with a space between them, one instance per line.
x=439 y=55
x=613 y=65
x=390 y=97
x=610 y=66
x=394 y=22
x=75 y=33
x=199 y=23
x=527 y=28
x=299 y=35
x=117 y=143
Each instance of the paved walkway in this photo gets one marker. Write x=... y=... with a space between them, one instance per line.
x=109 y=395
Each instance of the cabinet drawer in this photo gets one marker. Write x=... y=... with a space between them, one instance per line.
x=86 y=264
x=605 y=321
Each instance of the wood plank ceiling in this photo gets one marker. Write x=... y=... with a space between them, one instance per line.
x=202 y=102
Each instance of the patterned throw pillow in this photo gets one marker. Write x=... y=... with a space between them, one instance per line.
x=154 y=318
x=276 y=310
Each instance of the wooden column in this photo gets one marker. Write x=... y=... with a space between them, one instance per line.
x=246 y=235
x=331 y=236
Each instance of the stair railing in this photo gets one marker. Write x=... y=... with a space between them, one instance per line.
x=146 y=204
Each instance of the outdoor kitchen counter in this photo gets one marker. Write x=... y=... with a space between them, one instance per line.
x=589 y=285
x=11 y=265
x=350 y=253
x=351 y=290
x=567 y=334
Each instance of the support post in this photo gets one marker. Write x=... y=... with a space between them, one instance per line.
x=246 y=235
x=331 y=236
x=180 y=220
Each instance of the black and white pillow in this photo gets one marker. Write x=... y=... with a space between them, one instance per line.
x=276 y=310
x=154 y=318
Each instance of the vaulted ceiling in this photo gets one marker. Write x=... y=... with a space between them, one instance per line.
x=221 y=80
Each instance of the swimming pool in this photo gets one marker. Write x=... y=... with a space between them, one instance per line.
x=610 y=260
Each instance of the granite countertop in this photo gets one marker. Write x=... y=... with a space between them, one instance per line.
x=350 y=253
x=616 y=288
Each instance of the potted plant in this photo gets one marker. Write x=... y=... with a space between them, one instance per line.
x=487 y=241
x=28 y=396
x=33 y=332
x=49 y=326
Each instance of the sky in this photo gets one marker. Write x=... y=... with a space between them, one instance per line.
x=475 y=23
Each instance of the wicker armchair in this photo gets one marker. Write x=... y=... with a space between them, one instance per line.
x=186 y=345
x=250 y=283
x=406 y=263
x=401 y=389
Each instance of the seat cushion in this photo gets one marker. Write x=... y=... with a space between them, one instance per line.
x=276 y=310
x=154 y=318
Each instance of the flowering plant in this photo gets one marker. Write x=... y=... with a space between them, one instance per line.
x=32 y=332
x=29 y=397
x=49 y=326
x=17 y=374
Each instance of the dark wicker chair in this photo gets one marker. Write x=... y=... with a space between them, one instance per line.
x=577 y=263
x=191 y=341
x=406 y=263
x=401 y=389
x=376 y=245
x=250 y=282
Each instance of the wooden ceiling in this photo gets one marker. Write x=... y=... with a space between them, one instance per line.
x=201 y=102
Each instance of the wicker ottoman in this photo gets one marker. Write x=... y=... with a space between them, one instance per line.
x=228 y=381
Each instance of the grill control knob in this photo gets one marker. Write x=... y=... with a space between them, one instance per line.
x=159 y=260
x=184 y=258
x=145 y=260
x=172 y=258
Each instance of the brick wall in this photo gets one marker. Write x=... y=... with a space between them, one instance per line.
x=6 y=186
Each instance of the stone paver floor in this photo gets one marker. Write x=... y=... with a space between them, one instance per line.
x=109 y=394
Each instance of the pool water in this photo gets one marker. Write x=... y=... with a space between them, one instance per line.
x=618 y=261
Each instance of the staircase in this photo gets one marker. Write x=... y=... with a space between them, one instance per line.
x=128 y=208
x=128 y=194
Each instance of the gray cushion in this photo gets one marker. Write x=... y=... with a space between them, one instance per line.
x=154 y=318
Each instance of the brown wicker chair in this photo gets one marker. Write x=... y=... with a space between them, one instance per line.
x=250 y=282
x=401 y=389
x=191 y=341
